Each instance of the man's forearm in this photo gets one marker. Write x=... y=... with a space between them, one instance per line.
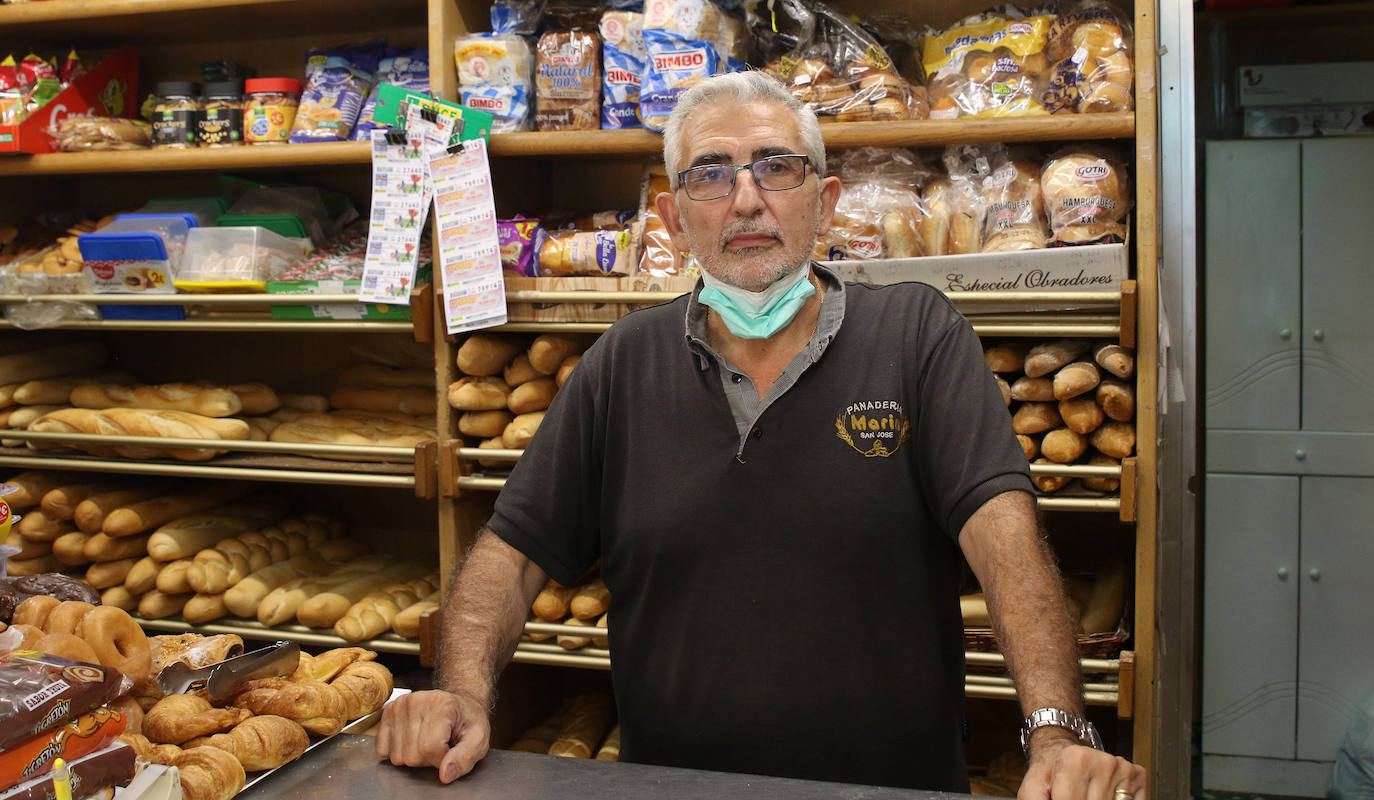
x=483 y=615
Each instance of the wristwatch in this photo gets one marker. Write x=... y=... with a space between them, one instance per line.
x=1058 y=717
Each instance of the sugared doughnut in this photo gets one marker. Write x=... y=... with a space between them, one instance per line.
x=66 y=618
x=118 y=641
x=35 y=610
x=31 y=634
x=66 y=645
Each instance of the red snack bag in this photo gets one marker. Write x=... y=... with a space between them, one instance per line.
x=39 y=692
x=34 y=68
x=72 y=68
x=85 y=734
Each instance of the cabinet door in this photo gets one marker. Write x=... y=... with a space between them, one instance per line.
x=1338 y=284
x=1250 y=626
x=1253 y=285
x=1336 y=647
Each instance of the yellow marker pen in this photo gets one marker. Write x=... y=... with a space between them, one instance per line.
x=61 y=780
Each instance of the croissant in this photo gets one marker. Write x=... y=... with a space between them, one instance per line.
x=364 y=686
x=147 y=751
x=330 y=663
x=263 y=742
x=208 y=773
x=317 y=706
x=180 y=718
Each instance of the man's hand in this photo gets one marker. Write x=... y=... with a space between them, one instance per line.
x=1062 y=770
x=435 y=729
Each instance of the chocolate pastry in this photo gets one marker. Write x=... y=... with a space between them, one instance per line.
x=63 y=587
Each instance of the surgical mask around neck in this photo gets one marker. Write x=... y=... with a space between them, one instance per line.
x=757 y=315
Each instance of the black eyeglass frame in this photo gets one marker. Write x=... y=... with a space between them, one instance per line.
x=734 y=174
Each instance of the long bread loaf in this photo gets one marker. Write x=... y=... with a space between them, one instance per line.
x=145 y=515
x=327 y=607
x=206 y=401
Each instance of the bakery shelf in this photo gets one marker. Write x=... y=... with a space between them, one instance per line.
x=1061 y=326
x=1011 y=301
x=188 y=299
x=906 y=133
x=266 y=468
x=230 y=326
x=252 y=629
x=286 y=157
x=277 y=448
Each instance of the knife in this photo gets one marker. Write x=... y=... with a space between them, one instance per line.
x=223 y=678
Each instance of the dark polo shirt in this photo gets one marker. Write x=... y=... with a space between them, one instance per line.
x=784 y=573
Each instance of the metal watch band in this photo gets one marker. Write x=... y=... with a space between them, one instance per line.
x=1059 y=718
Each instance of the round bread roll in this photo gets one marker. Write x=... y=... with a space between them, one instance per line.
x=1087 y=187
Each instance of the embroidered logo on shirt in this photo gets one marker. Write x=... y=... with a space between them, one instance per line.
x=874 y=428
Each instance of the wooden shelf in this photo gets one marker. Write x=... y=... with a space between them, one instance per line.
x=88 y=23
x=246 y=157
x=252 y=629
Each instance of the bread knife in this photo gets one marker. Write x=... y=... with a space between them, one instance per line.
x=223 y=678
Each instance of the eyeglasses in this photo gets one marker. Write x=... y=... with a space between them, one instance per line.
x=773 y=174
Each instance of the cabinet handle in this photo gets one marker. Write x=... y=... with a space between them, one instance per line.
x=1300 y=455
x=1318 y=336
x=1285 y=334
x=1315 y=574
x=1283 y=573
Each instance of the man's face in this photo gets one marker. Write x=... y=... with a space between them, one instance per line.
x=751 y=237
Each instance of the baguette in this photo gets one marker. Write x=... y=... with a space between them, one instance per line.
x=58 y=391
x=610 y=749
x=584 y=727
x=1010 y=357
x=521 y=430
x=103 y=547
x=256 y=398
x=139 y=422
x=29 y=548
x=1035 y=390
x=1114 y=358
x=184 y=537
x=486 y=424
x=61 y=503
x=1029 y=446
x=553 y=601
x=591 y=600
x=328 y=607
x=407 y=622
x=1050 y=356
x=487 y=353
x=90 y=513
x=70 y=549
x=1076 y=379
x=535 y=395
x=575 y=642
x=21 y=418
x=171 y=579
x=1113 y=438
x=1081 y=414
x=372 y=616
x=51 y=362
x=565 y=370
x=1049 y=483
x=1063 y=445
x=108 y=574
x=1117 y=399
x=31 y=486
x=410 y=400
x=519 y=371
x=24 y=567
x=7 y=394
x=119 y=597
x=282 y=603
x=142 y=577
x=1036 y=418
x=1102 y=484
x=367 y=374
x=548 y=350
x=1005 y=389
x=145 y=515
x=203 y=608
x=39 y=527
x=156 y=605
x=488 y=393
x=188 y=397
x=312 y=403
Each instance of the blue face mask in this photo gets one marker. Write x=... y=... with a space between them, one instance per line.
x=757 y=315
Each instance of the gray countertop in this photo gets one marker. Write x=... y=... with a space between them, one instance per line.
x=346 y=767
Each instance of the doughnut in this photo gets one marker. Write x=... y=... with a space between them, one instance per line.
x=66 y=618
x=35 y=610
x=31 y=634
x=66 y=645
x=118 y=641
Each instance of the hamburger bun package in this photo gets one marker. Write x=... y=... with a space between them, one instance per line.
x=1087 y=195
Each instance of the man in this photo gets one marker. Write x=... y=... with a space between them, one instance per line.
x=774 y=472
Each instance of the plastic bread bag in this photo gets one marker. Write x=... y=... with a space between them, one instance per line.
x=837 y=69
x=1087 y=195
x=89 y=776
x=595 y=253
x=1090 y=47
x=518 y=240
x=681 y=42
x=408 y=69
x=954 y=204
x=519 y=17
x=657 y=254
x=988 y=64
x=40 y=692
x=622 y=57
x=83 y=735
x=567 y=80
x=337 y=84
x=879 y=213
x=604 y=221
x=1015 y=215
x=77 y=134
x=495 y=75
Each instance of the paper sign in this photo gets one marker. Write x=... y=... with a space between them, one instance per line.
x=467 y=253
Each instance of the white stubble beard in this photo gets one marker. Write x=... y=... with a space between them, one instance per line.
x=740 y=274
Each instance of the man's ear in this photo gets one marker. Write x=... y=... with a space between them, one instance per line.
x=830 y=196
x=666 y=203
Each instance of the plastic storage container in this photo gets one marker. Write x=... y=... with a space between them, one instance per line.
x=221 y=116
x=206 y=210
x=236 y=259
x=137 y=253
x=176 y=114
x=269 y=109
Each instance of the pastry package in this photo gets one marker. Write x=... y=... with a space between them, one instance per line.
x=40 y=692
x=408 y=69
x=518 y=239
x=680 y=42
x=85 y=734
x=567 y=81
x=988 y=64
x=879 y=213
x=76 y=134
x=495 y=73
x=839 y=70
x=954 y=204
x=110 y=766
x=657 y=254
x=1087 y=195
x=337 y=82
x=1014 y=214
x=1093 y=70
x=622 y=55
x=596 y=253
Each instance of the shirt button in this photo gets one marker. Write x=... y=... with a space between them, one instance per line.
x=737 y=377
x=758 y=433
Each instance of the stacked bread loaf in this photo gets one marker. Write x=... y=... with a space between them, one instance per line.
x=1072 y=402
x=508 y=382
x=585 y=605
x=580 y=728
x=1096 y=601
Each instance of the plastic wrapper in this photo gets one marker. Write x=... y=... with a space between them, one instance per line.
x=495 y=75
x=33 y=757
x=988 y=64
x=408 y=69
x=567 y=81
x=839 y=70
x=595 y=253
x=954 y=204
x=603 y=221
x=304 y=202
x=1087 y=195
x=337 y=82
x=681 y=40
x=879 y=212
x=1014 y=217
x=112 y=765
x=518 y=240
x=520 y=17
x=657 y=254
x=1090 y=47
x=40 y=692
x=78 y=134
x=622 y=57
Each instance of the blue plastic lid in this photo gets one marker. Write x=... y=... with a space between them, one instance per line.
x=191 y=221
x=121 y=247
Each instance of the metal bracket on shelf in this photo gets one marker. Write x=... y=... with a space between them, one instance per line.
x=422 y=312
x=426 y=470
x=1128 y=314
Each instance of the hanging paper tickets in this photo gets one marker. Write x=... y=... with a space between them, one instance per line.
x=467 y=253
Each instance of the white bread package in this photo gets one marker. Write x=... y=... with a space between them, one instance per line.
x=879 y=213
x=1090 y=47
x=988 y=64
x=1015 y=215
x=680 y=39
x=567 y=81
x=622 y=57
x=494 y=75
x=1087 y=195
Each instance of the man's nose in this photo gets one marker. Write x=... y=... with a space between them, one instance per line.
x=747 y=197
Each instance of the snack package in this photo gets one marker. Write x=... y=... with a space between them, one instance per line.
x=85 y=734
x=1093 y=71
x=1015 y=213
x=495 y=73
x=622 y=55
x=76 y=134
x=408 y=69
x=838 y=70
x=603 y=221
x=72 y=68
x=519 y=240
x=879 y=212
x=112 y=765
x=567 y=81
x=988 y=64
x=40 y=692
x=657 y=254
x=337 y=82
x=1087 y=196
x=599 y=253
